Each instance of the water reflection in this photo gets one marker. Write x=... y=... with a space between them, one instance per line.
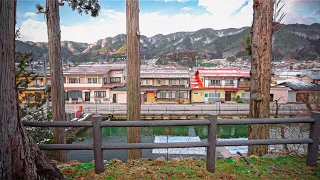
x=118 y=135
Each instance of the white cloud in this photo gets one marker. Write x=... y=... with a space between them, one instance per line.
x=222 y=9
x=30 y=14
x=111 y=23
x=186 y=9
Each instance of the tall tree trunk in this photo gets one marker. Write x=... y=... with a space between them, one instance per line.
x=261 y=44
x=57 y=90
x=133 y=75
x=20 y=156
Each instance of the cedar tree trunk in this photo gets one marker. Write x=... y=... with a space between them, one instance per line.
x=133 y=75
x=261 y=45
x=20 y=156
x=57 y=90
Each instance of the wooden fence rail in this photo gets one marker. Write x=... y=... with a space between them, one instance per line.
x=211 y=144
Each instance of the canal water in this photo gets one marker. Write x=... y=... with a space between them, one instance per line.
x=118 y=135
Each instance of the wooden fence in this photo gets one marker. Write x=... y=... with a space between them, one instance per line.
x=97 y=124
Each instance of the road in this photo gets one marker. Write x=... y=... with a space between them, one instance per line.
x=184 y=108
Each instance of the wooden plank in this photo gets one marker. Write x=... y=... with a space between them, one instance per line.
x=263 y=142
x=154 y=123
x=313 y=148
x=211 y=149
x=97 y=143
x=119 y=146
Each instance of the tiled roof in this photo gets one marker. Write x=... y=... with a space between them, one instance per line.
x=300 y=85
x=313 y=76
x=164 y=73
x=223 y=72
x=93 y=69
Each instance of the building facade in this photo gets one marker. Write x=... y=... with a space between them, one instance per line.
x=92 y=83
x=160 y=86
x=35 y=90
x=220 y=85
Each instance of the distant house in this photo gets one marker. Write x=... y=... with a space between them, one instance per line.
x=35 y=90
x=299 y=91
x=315 y=79
x=162 y=85
x=220 y=84
x=92 y=83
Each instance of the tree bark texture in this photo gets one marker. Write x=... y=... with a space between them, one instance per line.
x=20 y=158
x=57 y=90
x=133 y=75
x=261 y=44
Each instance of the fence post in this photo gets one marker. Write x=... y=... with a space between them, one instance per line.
x=97 y=143
x=313 y=148
x=212 y=138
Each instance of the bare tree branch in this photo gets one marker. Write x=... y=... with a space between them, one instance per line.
x=276 y=19
x=40 y=9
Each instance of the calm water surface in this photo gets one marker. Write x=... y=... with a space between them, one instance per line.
x=118 y=135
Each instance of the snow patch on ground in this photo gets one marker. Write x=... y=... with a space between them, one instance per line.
x=165 y=139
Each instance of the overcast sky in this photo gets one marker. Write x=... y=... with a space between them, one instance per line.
x=156 y=16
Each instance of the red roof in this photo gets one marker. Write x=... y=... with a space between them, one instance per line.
x=195 y=82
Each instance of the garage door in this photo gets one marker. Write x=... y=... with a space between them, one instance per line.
x=122 y=98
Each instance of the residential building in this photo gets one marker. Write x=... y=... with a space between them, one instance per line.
x=161 y=85
x=220 y=85
x=301 y=92
x=312 y=76
x=92 y=83
x=35 y=90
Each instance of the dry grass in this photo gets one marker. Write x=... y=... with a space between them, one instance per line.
x=191 y=168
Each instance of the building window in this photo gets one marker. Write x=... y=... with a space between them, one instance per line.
x=37 y=96
x=162 y=95
x=159 y=81
x=149 y=82
x=215 y=94
x=174 y=82
x=74 y=94
x=229 y=83
x=49 y=81
x=164 y=82
x=215 y=82
x=100 y=94
x=74 y=80
x=37 y=81
x=246 y=95
x=183 y=82
x=179 y=95
x=115 y=79
x=143 y=82
x=92 y=80
x=105 y=80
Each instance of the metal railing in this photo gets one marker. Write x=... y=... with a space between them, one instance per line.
x=199 y=110
x=211 y=144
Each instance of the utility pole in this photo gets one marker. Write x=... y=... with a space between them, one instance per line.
x=196 y=62
x=46 y=82
x=133 y=75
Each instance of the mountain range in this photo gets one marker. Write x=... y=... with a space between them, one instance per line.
x=296 y=41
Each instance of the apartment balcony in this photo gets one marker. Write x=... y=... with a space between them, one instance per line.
x=244 y=84
x=82 y=85
x=230 y=84
x=214 y=85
